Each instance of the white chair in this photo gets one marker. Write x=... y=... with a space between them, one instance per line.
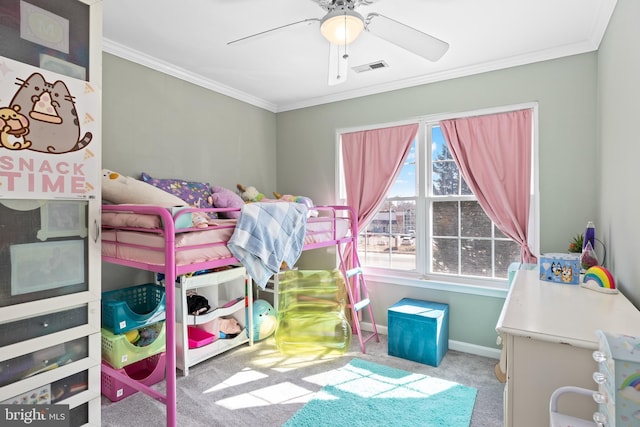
x=562 y=420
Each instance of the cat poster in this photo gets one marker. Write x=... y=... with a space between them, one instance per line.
x=47 y=133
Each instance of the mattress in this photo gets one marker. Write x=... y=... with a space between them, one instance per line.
x=195 y=246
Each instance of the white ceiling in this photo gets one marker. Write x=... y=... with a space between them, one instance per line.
x=288 y=69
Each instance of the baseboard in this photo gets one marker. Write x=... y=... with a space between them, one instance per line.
x=478 y=350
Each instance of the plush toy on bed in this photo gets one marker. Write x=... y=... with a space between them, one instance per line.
x=251 y=194
x=297 y=199
x=224 y=198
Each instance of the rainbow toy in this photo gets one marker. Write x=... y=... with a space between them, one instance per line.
x=599 y=279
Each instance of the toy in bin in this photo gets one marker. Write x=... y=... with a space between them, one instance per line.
x=199 y=337
x=229 y=328
x=120 y=350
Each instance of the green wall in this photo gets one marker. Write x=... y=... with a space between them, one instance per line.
x=565 y=90
x=171 y=128
x=619 y=92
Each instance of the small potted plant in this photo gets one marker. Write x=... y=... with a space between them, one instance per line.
x=575 y=246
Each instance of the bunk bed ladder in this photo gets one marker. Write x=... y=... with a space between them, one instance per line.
x=359 y=300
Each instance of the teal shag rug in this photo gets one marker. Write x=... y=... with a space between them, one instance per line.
x=368 y=394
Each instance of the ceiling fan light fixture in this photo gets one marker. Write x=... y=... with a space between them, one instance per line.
x=342 y=26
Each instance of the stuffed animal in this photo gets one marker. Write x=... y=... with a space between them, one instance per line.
x=228 y=328
x=147 y=335
x=264 y=320
x=117 y=188
x=297 y=199
x=251 y=194
x=224 y=198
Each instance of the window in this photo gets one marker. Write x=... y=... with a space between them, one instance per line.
x=431 y=225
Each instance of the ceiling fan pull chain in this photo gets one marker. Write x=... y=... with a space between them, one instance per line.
x=346 y=55
x=338 y=76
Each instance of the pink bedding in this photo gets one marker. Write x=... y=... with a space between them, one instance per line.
x=194 y=246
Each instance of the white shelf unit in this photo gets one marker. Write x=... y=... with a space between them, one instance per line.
x=221 y=289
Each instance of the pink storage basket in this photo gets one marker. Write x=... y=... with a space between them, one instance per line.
x=148 y=371
x=199 y=337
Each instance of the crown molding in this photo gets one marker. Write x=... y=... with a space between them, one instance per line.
x=148 y=61
x=514 y=61
x=518 y=60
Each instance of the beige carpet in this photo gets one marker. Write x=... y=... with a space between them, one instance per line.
x=260 y=386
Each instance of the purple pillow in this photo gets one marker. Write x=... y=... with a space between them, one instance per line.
x=195 y=194
x=225 y=198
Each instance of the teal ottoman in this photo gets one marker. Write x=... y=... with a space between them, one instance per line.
x=418 y=330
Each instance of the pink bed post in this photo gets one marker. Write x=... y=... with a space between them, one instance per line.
x=354 y=261
x=170 y=292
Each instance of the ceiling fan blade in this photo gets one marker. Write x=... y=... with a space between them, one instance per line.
x=338 y=64
x=406 y=37
x=304 y=21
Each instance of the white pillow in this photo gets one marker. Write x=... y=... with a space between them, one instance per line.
x=121 y=189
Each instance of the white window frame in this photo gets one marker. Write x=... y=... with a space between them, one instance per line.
x=419 y=278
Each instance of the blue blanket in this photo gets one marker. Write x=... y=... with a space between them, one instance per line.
x=267 y=234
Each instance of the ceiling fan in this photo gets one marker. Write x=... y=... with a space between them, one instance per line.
x=342 y=25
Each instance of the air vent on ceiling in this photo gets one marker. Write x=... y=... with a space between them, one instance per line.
x=370 y=66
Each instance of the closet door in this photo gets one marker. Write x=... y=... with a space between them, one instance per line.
x=50 y=198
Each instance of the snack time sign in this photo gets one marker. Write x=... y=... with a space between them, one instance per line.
x=45 y=177
x=47 y=133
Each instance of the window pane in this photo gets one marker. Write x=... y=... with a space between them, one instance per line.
x=403 y=253
x=445 y=218
x=445 y=256
x=373 y=249
x=439 y=148
x=405 y=184
x=476 y=257
x=507 y=251
x=405 y=217
x=446 y=178
x=404 y=248
x=389 y=240
x=455 y=237
x=474 y=222
x=499 y=234
x=465 y=190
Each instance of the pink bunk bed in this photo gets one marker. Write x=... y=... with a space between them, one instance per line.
x=151 y=238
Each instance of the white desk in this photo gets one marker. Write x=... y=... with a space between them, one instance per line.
x=548 y=330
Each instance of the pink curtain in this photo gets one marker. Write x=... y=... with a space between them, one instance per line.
x=493 y=153
x=372 y=159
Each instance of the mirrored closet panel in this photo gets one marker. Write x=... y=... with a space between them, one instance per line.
x=43 y=249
